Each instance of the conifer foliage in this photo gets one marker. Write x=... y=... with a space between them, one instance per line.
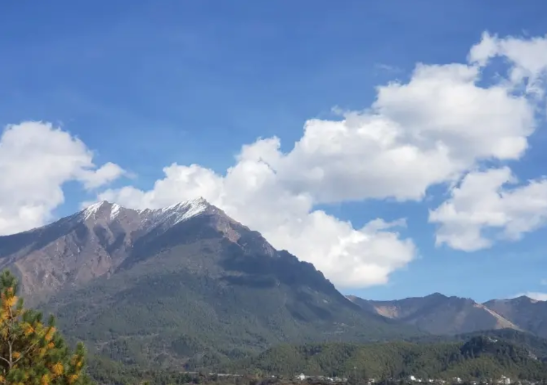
x=32 y=352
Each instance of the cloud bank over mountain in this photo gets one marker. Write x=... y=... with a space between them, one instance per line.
x=449 y=125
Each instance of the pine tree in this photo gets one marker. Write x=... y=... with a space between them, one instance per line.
x=33 y=352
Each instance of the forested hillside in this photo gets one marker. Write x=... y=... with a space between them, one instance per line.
x=479 y=358
x=534 y=344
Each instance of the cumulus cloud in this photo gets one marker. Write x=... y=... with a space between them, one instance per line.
x=415 y=135
x=36 y=159
x=484 y=201
x=528 y=58
x=107 y=173
x=433 y=129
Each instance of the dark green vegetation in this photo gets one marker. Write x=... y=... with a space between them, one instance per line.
x=169 y=318
x=477 y=358
x=535 y=345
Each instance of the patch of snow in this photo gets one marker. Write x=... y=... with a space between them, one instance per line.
x=92 y=210
x=115 y=211
x=176 y=213
x=184 y=210
x=193 y=208
x=167 y=216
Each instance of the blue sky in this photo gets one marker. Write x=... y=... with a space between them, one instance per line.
x=148 y=84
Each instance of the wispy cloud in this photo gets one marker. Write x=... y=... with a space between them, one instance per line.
x=533 y=295
x=388 y=68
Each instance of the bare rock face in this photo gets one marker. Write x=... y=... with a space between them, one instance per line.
x=527 y=313
x=439 y=314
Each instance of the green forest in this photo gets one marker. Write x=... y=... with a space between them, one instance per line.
x=32 y=351
x=480 y=357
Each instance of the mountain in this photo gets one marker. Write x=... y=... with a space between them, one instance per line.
x=87 y=245
x=527 y=313
x=479 y=357
x=439 y=314
x=184 y=284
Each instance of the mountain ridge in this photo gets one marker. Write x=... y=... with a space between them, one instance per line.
x=101 y=232
x=442 y=315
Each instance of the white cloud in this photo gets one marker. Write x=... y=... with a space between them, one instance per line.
x=433 y=129
x=36 y=159
x=388 y=68
x=528 y=58
x=99 y=177
x=483 y=201
x=418 y=134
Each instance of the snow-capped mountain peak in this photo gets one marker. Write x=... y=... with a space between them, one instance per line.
x=166 y=216
x=176 y=213
x=103 y=206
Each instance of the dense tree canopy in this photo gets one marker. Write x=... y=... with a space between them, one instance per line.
x=478 y=358
x=32 y=352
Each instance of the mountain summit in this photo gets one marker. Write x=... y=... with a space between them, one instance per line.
x=185 y=282
x=148 y=218
x=88 y=244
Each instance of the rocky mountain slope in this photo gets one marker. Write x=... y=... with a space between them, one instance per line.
x=528 y=314
x=442 y=315
x=184 y=284
x=86 y=245
x=438 y=314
